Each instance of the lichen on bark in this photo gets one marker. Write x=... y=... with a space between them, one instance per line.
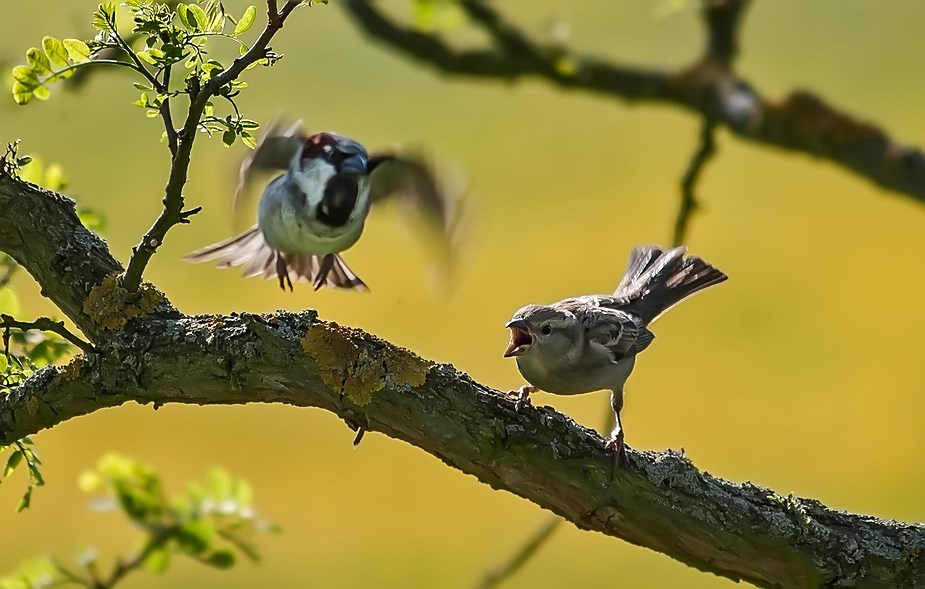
x=110 y=306
x=360 y=371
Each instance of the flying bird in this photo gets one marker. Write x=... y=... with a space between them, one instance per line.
x=590 y=343
x=317 y=208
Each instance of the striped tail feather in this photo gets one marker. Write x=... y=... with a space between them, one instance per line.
x=656 y=280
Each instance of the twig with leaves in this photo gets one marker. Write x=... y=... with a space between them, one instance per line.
x=212 y=523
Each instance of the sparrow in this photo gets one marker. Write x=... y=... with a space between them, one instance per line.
x=317 y=208
x=590 y=343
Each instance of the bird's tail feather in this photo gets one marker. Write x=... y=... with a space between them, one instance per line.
x=656 y=280
x=250 y=251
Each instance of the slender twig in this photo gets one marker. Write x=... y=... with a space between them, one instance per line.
x=688 y=204
x=71 y=577
x=173 y=213
x=124 y=567
x=138 y=65
x=520 y=558
x=46 y=324
x=168 y=119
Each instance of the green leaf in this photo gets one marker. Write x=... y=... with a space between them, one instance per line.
x=195 y=536
x=92 y=220
x=25 y=75
x=12 y=462
x=38 y=62
x=246 y=21
x=55 y=50
x=9 y=303
x=228 y=137
x=248 y=140
x=222 y=559
x=3 y=363
x=183 y=13
x=22 y=94
x=146 y=57
x=54 y=178
x=158 y=561
x=77 y=50
x=42 y=93
x=197 y=17
x=89 y=481
x=26 y=500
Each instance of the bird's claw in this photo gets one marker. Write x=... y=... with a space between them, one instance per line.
x=523 y=396
x=615 y=443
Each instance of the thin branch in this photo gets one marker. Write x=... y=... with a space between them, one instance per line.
x=801 y=122
x=46 y=324
x=140 y=67
x=688 y=204
x=723 y=19
x=507 y=569
x=173 y=213
x=168 y=118
x=124 y=567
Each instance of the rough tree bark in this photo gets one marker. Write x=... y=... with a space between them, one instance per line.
x=148 y=352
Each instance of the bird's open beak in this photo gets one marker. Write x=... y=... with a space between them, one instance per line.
x=521 y=340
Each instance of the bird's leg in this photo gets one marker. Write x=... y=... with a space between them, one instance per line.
x=523 y=396
x=615 y=442
x=282 y=272
x=327 y=262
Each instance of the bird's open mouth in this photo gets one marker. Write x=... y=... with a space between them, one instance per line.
x=520 y=342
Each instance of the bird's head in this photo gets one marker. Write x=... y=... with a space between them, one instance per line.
x=541 y=327
x=333 y=153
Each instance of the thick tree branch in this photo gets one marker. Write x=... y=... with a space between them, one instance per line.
x=661 y=501
x=801 y=122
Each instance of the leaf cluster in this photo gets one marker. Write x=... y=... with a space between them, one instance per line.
x=166 y=35
x=213 y=522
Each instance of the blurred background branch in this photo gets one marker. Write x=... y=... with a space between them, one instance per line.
x=709 y=87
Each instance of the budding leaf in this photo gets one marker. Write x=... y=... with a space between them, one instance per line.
x=247 y=20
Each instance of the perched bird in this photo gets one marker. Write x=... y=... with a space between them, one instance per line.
x=317 y=208
x=590 y=343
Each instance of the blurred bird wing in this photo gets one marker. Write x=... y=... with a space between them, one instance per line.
x=619 y=332
x=410 y=180
x=274 y=151
x=436 y=200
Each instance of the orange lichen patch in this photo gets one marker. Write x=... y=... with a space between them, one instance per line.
x=71 y=370
x=405 y=367
x=359 y=374
x=111 y=306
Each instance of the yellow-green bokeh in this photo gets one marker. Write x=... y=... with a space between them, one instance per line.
x=803 y=372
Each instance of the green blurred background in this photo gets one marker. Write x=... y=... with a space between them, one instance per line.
x=802 y=373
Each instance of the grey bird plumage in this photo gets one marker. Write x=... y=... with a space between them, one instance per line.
x=317 y=209
x=590 y=343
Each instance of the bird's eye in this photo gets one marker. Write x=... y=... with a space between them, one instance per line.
x=547 y=329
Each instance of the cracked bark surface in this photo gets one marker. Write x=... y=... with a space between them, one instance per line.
x=663 y=502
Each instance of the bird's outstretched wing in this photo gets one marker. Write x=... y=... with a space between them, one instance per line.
x=621 y=333
x=274 y=150
x=412 y=182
